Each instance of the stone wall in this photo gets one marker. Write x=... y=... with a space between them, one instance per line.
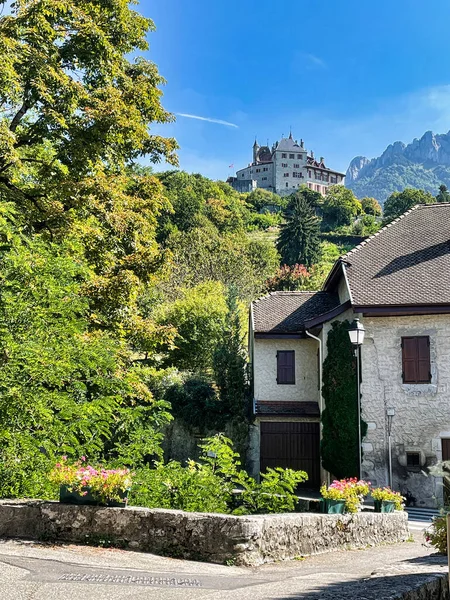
x=422 y=412
x=251 y=540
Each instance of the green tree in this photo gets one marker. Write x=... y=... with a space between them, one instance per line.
x=400 y=202
x=198 y=316
x=339 y=446
x=314 y=199
x=75 y=115
x=230 y=362
x=371 y=206
x=260 y=199
x=340 y=206
x=444 y=194
x=204 y=254
x=66 y=387
x=299 y=240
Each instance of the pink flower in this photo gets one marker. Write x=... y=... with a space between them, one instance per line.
x=83 y=458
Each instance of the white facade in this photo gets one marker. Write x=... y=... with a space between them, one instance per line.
x=265 y=371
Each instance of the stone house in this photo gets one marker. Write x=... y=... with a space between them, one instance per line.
x=283 y=168
x=397 y=283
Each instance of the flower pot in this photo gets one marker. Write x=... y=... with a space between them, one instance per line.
x=335 y=507
x=72 y=496
x=384 y=506
x=387 y=506
x=86 y=498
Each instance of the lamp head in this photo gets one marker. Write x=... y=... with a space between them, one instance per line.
x=356 y=332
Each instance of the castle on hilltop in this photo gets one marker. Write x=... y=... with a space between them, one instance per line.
x=284 y=168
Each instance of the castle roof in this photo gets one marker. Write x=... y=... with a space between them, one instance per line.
x=289 y=144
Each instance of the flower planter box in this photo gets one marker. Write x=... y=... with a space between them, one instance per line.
x=335 y=507
x=85 y=497
x=384 y=506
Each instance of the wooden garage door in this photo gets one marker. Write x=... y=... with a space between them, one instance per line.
x=292 y=446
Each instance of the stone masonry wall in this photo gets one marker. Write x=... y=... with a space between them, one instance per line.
x=251 y=540
x=422 y=412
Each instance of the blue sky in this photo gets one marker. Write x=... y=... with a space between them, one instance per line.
x=349 y=76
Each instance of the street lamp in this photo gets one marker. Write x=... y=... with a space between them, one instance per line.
x=356 y=332
x=390 y=413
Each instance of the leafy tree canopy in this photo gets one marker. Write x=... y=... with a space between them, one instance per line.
x=299 y=240
x=371 y=206
x=260 y=199
x=400 y=202
x=340 y=206
x=444 y=194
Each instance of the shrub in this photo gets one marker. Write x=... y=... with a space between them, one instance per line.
x=436 y=534
x=207 y=485
x=289 y=279
x=339 y=445
x=263 y=221
x=275 y=493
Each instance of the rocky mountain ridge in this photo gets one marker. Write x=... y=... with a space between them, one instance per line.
x=424 y=163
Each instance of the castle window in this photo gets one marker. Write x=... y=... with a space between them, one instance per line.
x=291 y=155
x=286 y=175
x=287 y=185
x=299 y=156
x=258 y=170
x=284 y=164
x=309 y=173
x=265 y=169
x=296 y=166
x=264 y=178
x=318 y=188
x=284 y=155
x=242 y=175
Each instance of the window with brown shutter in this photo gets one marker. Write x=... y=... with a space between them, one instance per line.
x=286 y=367
x=416 y=359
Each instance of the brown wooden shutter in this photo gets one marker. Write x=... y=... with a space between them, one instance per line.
x=286 y=367
x=423 y=360
x=416 y=359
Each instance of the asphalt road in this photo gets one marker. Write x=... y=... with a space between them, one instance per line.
x=30 y=571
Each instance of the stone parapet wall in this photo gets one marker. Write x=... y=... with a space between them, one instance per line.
x=246 y=540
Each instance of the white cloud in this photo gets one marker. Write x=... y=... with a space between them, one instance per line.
x=218 y=121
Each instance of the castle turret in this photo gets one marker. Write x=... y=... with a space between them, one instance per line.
x=255 y=150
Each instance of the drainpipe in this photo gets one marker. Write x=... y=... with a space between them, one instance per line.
x=320 y=368
x=323 y=472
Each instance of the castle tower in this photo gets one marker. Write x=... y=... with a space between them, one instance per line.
x=255 y=150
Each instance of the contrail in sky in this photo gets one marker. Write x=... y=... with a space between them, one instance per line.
x=218 y=121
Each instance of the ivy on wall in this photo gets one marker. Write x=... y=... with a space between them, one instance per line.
x=339 y=447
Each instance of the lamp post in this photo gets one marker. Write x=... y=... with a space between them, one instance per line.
x=356 y=332
x=390 y=412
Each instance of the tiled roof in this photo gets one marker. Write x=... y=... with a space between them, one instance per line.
x=286 y=312
x=406 y=262
x=294 y=408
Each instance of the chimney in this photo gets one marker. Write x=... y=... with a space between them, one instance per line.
x=322 y=159
x=312 y=154
x=302 y=143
